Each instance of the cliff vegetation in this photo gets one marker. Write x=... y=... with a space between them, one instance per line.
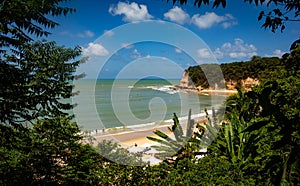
x=247 y=74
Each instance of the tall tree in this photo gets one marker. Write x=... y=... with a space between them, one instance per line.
x=34 y=76
x=36 y=82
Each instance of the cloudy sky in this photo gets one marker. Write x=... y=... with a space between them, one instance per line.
x=111 y=35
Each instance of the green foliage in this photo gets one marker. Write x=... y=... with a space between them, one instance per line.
x=286 y=10
x=261 y=131
x=269 y=115
x=252 y=152
x=181 y=146
x=242 y=104
x=13 y=157
x=258 y=143
x=208 y=131
x=210 y=170
x=50 y=153
x=35 y=82
x=118 y=166
x=114 y=153
x=279 y=103
x=234 y=145
x=186 y=145
x=19 y=19
x=256 y=68
x=199 y=78
x=291 y=61
x=34 y=76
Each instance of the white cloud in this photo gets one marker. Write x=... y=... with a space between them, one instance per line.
x=108 y=33
x=210 y=19
x=204 y=53
x=177 y=15
x=85 y=34
x=237 y=50
x=148 y=56
x=278 y=53
x=237 y=55
x=131 y=12
x=177 y=50
x=135 y=54
x=127 y=46
x=95 y=49
x=229 y=24
x=205 y=21
x=218 y=53
x=234 y=50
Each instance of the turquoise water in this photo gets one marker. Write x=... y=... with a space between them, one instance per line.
x=119 y=103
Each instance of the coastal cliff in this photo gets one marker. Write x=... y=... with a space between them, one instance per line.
x=246 y=74
x=246 y=84
x=187 y=84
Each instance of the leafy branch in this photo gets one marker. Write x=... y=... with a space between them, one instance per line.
x=274 y=19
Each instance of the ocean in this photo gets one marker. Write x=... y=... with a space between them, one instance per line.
x=116 y=104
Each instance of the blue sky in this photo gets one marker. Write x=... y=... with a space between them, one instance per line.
x=102 y=29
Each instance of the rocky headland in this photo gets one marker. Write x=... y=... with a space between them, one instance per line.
x=186 y=84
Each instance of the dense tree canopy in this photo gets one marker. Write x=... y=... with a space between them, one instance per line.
x=256 y=68
x=35 y=76
x=35 y=81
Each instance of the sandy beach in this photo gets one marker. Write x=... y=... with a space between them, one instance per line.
x=205 y=91
x=136 y=137
x=130 y=138
x=139 y=135
x=218 y=92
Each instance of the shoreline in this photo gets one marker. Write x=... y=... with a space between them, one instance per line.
x=136 y=141
x=220 y=91
x=137 y=134
x=128 y=139
x=204 y=91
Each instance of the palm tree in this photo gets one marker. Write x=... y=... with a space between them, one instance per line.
x=173 y=146
x=188 y=144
